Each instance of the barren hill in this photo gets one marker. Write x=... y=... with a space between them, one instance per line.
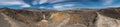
x=67 y=18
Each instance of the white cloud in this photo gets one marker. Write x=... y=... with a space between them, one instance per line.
x=42 y=1
x=68 y=4
x=54 y=1
x=108 y=2
x=35 y=2
x=46 y=1
x=13 y=2
x=114 y=6
x=58 y=6
x=10 y=2
x=39 y=2
x=26 y=5
x=62 y=6
x=41 y=7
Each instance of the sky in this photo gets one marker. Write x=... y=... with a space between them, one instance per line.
x=59 y=4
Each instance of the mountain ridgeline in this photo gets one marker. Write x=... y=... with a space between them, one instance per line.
x=108 y=17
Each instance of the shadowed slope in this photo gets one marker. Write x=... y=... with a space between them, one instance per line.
x=109 y=17
x=65 y=18
x=25 y=17
x=111 y=12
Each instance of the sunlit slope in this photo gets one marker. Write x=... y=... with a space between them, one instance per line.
x=108 y=17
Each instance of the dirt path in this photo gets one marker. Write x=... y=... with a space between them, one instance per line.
x=104 y=21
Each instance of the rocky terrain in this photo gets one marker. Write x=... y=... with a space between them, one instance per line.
x=108 y=17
